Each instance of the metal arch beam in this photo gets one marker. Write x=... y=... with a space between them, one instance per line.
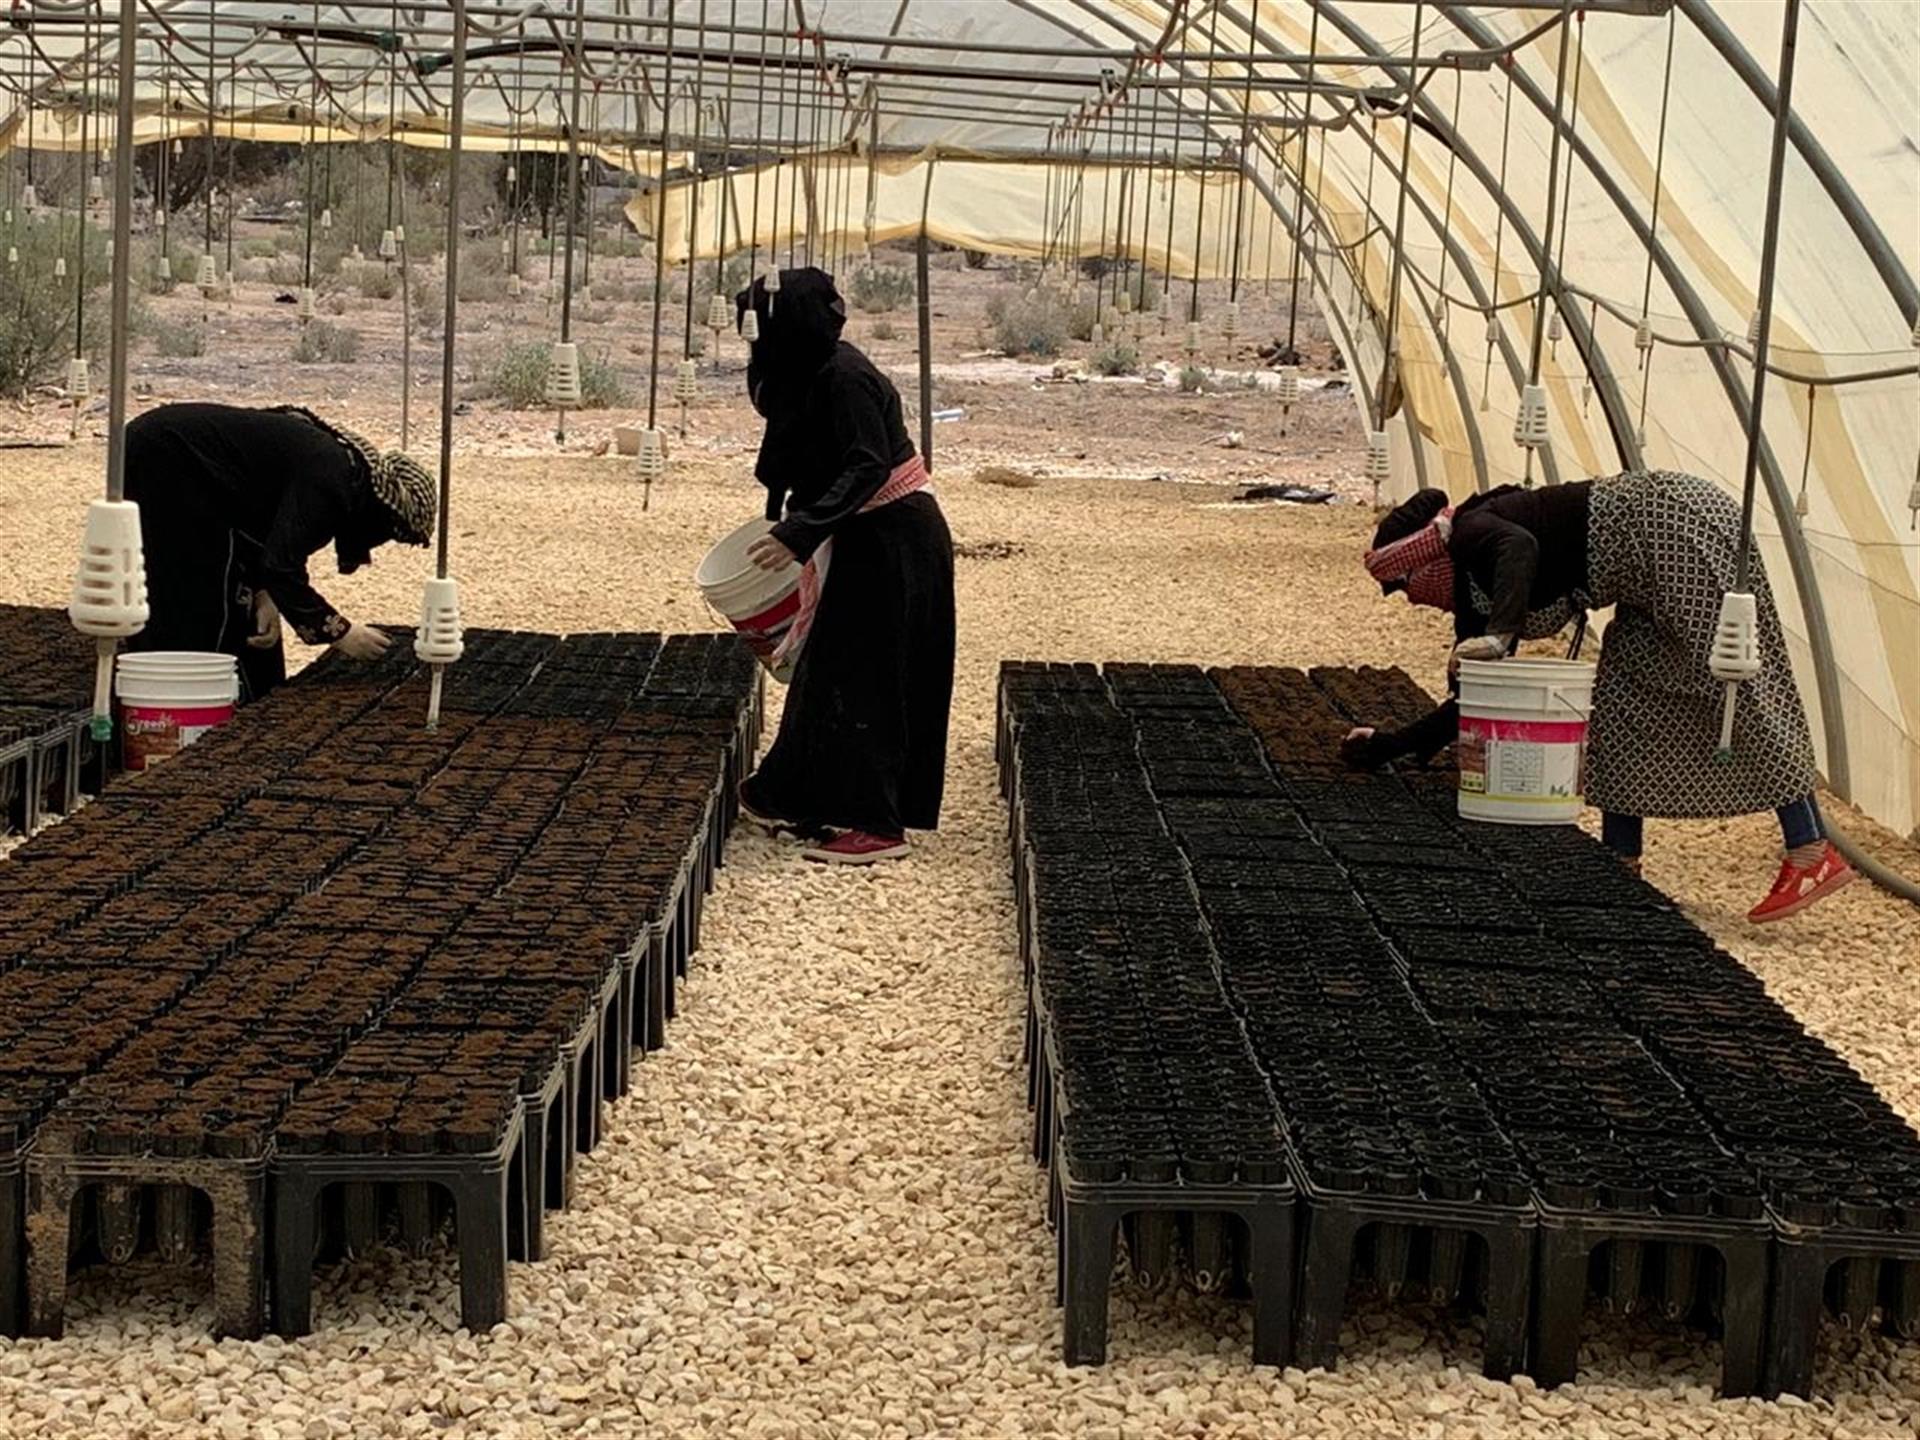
x=1469 y=273
x=1826 y=671
x=1413 y=431
x=1619 y=425
x=1469 y=412
x=1872 y=239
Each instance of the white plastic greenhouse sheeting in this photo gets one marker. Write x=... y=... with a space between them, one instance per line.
x=1857 y=93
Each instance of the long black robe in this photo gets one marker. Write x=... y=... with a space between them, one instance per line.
x=233 y=501
x=863 y=740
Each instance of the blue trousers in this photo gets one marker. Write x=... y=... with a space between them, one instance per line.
x=1800 y=824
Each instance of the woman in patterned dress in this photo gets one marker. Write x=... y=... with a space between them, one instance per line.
x=1662 y=548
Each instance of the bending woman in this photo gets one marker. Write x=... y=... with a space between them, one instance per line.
x=862 y=748
x=232 y=503
x=1662 y=548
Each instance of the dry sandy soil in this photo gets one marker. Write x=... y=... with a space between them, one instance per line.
x=815 y=1215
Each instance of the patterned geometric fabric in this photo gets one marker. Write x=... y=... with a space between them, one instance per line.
x=1663 y=548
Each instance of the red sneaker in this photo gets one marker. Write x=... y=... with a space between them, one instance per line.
x=857 y=847
x=1798 y=886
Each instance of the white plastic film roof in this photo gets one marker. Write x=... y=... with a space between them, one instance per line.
x=1172 y=129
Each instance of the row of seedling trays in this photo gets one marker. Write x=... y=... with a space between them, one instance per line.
x=327 y=978
x=1502 y=1070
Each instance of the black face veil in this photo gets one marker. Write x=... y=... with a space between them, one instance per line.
x=800 y=328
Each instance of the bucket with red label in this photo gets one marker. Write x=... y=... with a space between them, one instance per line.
x=169 y=699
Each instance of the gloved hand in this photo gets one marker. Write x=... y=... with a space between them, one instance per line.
x=266 y=622
x=1480 y=647
x=1367 y=749
x=363 y=642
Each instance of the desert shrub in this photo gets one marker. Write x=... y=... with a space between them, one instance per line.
x=1116 y=357
x=287 y=270
x=1193 y=379
x=376 y=281
x=36 y=307
x=259 y=247
x=335 y=302
x=1030 y=323
x=481 y=287
x=519 y=379
x=976 y=259
x=880 y=288
x=323 y=344
x=883 y=329
x=147 y=265
x=1082 y=316
x=180 y=342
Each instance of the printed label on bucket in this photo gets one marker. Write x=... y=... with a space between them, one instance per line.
x=1522 y=760
x=149 y=734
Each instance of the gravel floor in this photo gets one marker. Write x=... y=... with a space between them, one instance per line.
x=814 y=1216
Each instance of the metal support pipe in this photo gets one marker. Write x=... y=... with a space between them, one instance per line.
x=121 y=295
x=450 y=316
x=1769 y=259
x=924 y=306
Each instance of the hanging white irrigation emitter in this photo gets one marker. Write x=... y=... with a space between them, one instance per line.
x=652 y=464
x=326 y=219
x=1753 y=329
x=109 y=594
x=96 y=190
x=563 y=376
x=59 y=267
x=513 y=286
x=207 y=280
x=1097 y=336
x=306 y=303
x=1123 y=302
x=1192 y=346
x=79 y=380
x=1643 y=334
x=1913 y=505
x=686 y=384
x=389 y=245
x=440 y=641
x=13 y=255
x=164 y=268
x=772 y=285
x=159 y=219
x=1530 y=425
x=1230 y=322
x=750 y=326
x=1800 y=506
x=1735 y=657
x=1379 y=461
x=1289 y=392
x=1586 y=395
x=1493 y=330
x=719 y=312
x=29 y=198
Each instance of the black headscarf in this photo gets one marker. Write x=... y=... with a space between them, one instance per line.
x=800 y=328
x=1410 y=516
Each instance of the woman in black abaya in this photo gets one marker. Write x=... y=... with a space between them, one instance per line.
x=862 y=748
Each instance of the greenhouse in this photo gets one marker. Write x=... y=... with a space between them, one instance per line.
x=885 y=839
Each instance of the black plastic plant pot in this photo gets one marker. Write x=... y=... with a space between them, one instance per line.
x=1570 y=1194
x=1802 y=1208
x=1509 y=1189
x=1738 y=1203
x=1449 y=1185
x=1619 y=1196
x=1152 y=1168
x=1862 y=1213
x=1097 y=1166
x=1263 y=1166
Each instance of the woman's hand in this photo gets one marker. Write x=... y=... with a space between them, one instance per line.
x=769 y=554
x=266 y=622
x=1362 y=749
x=363 y=642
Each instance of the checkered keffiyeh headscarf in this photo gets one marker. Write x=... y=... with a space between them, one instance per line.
x=1421 y=560
x=400 y=483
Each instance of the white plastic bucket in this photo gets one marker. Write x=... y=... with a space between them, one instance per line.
x=759 y=604
x=169 y=699
x=1523 y=740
